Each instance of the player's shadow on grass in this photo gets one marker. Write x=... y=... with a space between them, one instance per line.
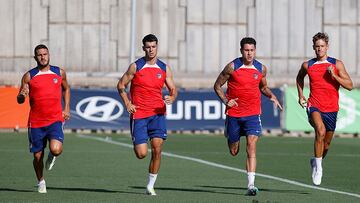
x=260 y=189
x=185 y=190
x=90 y=190
x=15 y=190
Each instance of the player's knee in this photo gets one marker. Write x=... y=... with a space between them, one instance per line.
x=140 y=150
x=233 y=148
x=234 y=151
x=320 y=131
x=140 y=155
x=56 y=151
x=319 y=137
x=38 y=157
x=55 y=147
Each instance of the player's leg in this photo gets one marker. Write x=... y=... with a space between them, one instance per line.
x=139 y=134
x=320 y=132
x=140 y=150
x=156 y=148
x=234 y=147
x=251 y=152
x=251 y=163
x=157 y=134
x=38 y=165
x=55 y=151
x=39 y=168
x=37 y=143
x=329 y=120
x=154 y=166
x=56 y=147
x=252 y=130
x=327 y=141
x=232 y=133
x=56 y=136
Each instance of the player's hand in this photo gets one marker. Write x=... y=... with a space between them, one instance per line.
x=25 y=90
x=276 y=103
x=302 y=101
x=168 y=99
x=130 y=108
x=66 y=114
x=232 y=102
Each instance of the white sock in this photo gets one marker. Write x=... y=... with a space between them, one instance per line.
x=251 y=179
x=152 y=179
x=318 y=163
x=41 y=182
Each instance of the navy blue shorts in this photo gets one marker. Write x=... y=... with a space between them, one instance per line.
x=147 y=128
x=243 y=126
x=328 y=118
x=38 y=137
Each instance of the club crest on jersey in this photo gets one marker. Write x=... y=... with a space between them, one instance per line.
x=55 y=80
x=159 y=75
x=256 y=76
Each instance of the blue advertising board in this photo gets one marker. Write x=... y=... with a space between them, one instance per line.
x=193 y=110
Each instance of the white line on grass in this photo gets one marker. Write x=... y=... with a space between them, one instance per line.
x=109 y=140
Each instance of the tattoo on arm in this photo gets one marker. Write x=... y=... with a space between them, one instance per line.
x=122 y=90
x=266 y=91
x=221 y=80
x=172 y=92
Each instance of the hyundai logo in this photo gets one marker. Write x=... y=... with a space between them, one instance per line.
x=99 y=108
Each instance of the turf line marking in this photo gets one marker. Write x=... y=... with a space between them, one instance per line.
x=109 y=140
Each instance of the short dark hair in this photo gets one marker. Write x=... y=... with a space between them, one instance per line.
x=247 y=40
x=149 y=38
x=40 y=46
x=321 y=35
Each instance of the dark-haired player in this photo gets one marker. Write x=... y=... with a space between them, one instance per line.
x=246 y=80
x=147 y=105
x=45 y=85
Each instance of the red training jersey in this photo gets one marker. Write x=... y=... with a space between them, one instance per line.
x=324 y=90
x=45 y=97
x=146 y=88
x=243 y=84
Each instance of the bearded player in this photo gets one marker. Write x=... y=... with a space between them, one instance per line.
x=45 y=85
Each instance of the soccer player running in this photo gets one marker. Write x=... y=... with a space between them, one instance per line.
x=147 y=105
x=45 y=85
x=246 y=80
x=326 y=75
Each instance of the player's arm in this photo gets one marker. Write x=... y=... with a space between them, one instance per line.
x=170 y=84
x=300 y=83
x=220 y=81
x=343 y=78
x=265 y=90
x=121 y=87
x=66 y=95
x=24 y=88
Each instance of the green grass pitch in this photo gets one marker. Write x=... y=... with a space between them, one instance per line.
x=103 y=168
